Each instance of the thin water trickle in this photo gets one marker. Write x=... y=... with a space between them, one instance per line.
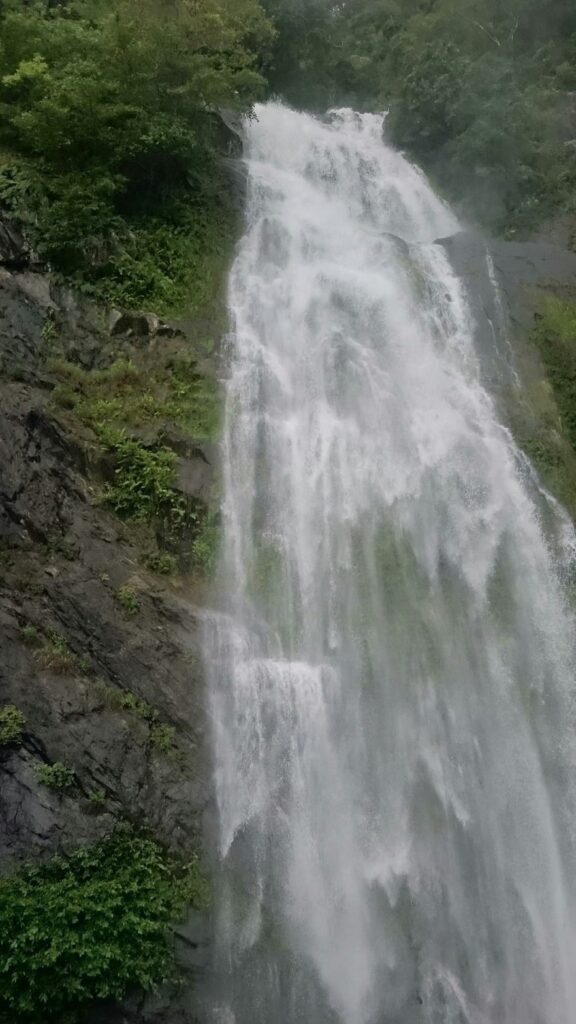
x=391 y=672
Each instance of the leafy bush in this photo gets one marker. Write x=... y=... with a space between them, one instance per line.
x=55 y=776
x=143 y=487
x=162 y=737
x=12 y=722
x=161 y=563
x=127 y=597
x=89 y=927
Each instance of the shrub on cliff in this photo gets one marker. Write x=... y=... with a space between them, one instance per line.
x=89 y=926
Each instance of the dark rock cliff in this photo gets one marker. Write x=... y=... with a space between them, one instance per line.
x=78 y=663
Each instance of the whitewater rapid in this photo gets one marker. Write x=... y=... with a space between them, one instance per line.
x=392 y=669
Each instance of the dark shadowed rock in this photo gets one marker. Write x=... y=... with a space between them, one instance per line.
x=523 y=273
x=14 y=252
x=63 y=561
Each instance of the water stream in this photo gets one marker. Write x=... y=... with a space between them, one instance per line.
x=391 y=673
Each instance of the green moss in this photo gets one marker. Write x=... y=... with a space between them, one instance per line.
x=543 y=412
x=90 y=926
x=12 y=722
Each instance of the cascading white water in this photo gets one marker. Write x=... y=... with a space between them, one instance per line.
x=391 y=675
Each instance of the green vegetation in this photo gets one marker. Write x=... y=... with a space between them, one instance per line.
x=29 y=634
x=128 y=599
x=125 y=396
x=90 y=926
x=110 y=144
x=12 y=722
x=542 y=412
x=477 y=91
x=55 y=654
x=555 y=334
x=110 y=141
x=124 y=700
x=162 y=735
x=55 y=776
x=143 y=488
x=162 y=564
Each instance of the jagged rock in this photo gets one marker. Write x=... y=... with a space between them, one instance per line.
x=63 y=559
x=523 y=272
x=196 y=475
x=136 y=324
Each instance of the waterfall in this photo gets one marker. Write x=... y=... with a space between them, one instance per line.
x=392 y=666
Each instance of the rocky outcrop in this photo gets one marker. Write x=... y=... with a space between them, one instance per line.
x=110 y=687
x=505 y=284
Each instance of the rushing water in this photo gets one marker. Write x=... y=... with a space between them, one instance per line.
x=392 y=670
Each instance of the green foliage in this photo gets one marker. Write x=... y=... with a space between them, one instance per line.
x=143 y=488
x=110 y=137
x=161 y=563
x=162 y=737
x=475 y=91
x=90 y=926
x=127 y=597
x=127 y=396
x=97 y=797
x=555 y=334
x=12 y=722
x=124 y=700
x=541 y=413
x=55 y=776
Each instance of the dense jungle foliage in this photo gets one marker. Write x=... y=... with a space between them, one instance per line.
x=480 y=92
x=110 y=139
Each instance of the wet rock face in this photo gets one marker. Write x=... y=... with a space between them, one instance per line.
x=524 y=273
x=63 y=560
x=100 y=655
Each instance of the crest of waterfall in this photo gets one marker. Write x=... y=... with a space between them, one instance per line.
x=391 y=672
